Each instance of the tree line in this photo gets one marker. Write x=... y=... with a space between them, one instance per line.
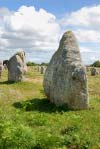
x=35 y=64
x=96 y=64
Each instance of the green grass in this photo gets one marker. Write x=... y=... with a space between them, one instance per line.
x=29 y=121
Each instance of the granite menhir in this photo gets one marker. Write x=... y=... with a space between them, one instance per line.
x=17 y=67
x=65 y=80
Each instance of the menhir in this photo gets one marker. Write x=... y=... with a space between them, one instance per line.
x=65 y=80
x=17 y=67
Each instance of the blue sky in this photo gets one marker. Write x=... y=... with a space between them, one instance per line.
x=37 y=25
x=58 y=7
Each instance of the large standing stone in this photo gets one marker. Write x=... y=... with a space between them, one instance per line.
x=65 y=80
x=17 y=67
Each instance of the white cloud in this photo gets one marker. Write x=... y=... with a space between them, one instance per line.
x=85 y=22
x=29 y=24
x=85 y=49
x=90 y=56
x=28 y=29
x=38 y=32
x=85 y=17
x=85 y=35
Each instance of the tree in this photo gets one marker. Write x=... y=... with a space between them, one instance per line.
x=31 y=64
x=44 y=64
x=96 y=64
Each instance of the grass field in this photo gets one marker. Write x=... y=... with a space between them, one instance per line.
x=29 y=121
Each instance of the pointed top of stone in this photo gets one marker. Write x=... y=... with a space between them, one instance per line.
x=68 y=39
x=69 y=46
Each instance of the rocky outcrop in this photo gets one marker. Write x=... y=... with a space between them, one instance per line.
x=65 y=80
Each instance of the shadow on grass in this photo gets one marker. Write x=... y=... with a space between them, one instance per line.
x=7 y=82
x=41 y=105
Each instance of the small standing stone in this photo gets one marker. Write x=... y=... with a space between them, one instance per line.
x=94 y=71
x=43 y=69
x=39 y=69
x=5 y=64
x=1 y=68
x=17 y=67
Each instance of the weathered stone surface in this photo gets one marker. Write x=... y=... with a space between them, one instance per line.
x=5 y=64
x=87 y=68
x=1 y=68
x=65 y=80
x=94 y=71
x=17 y=67
x=43 y=69
x=39 y=69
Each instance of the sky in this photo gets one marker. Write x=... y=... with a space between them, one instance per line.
x=36 y=26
